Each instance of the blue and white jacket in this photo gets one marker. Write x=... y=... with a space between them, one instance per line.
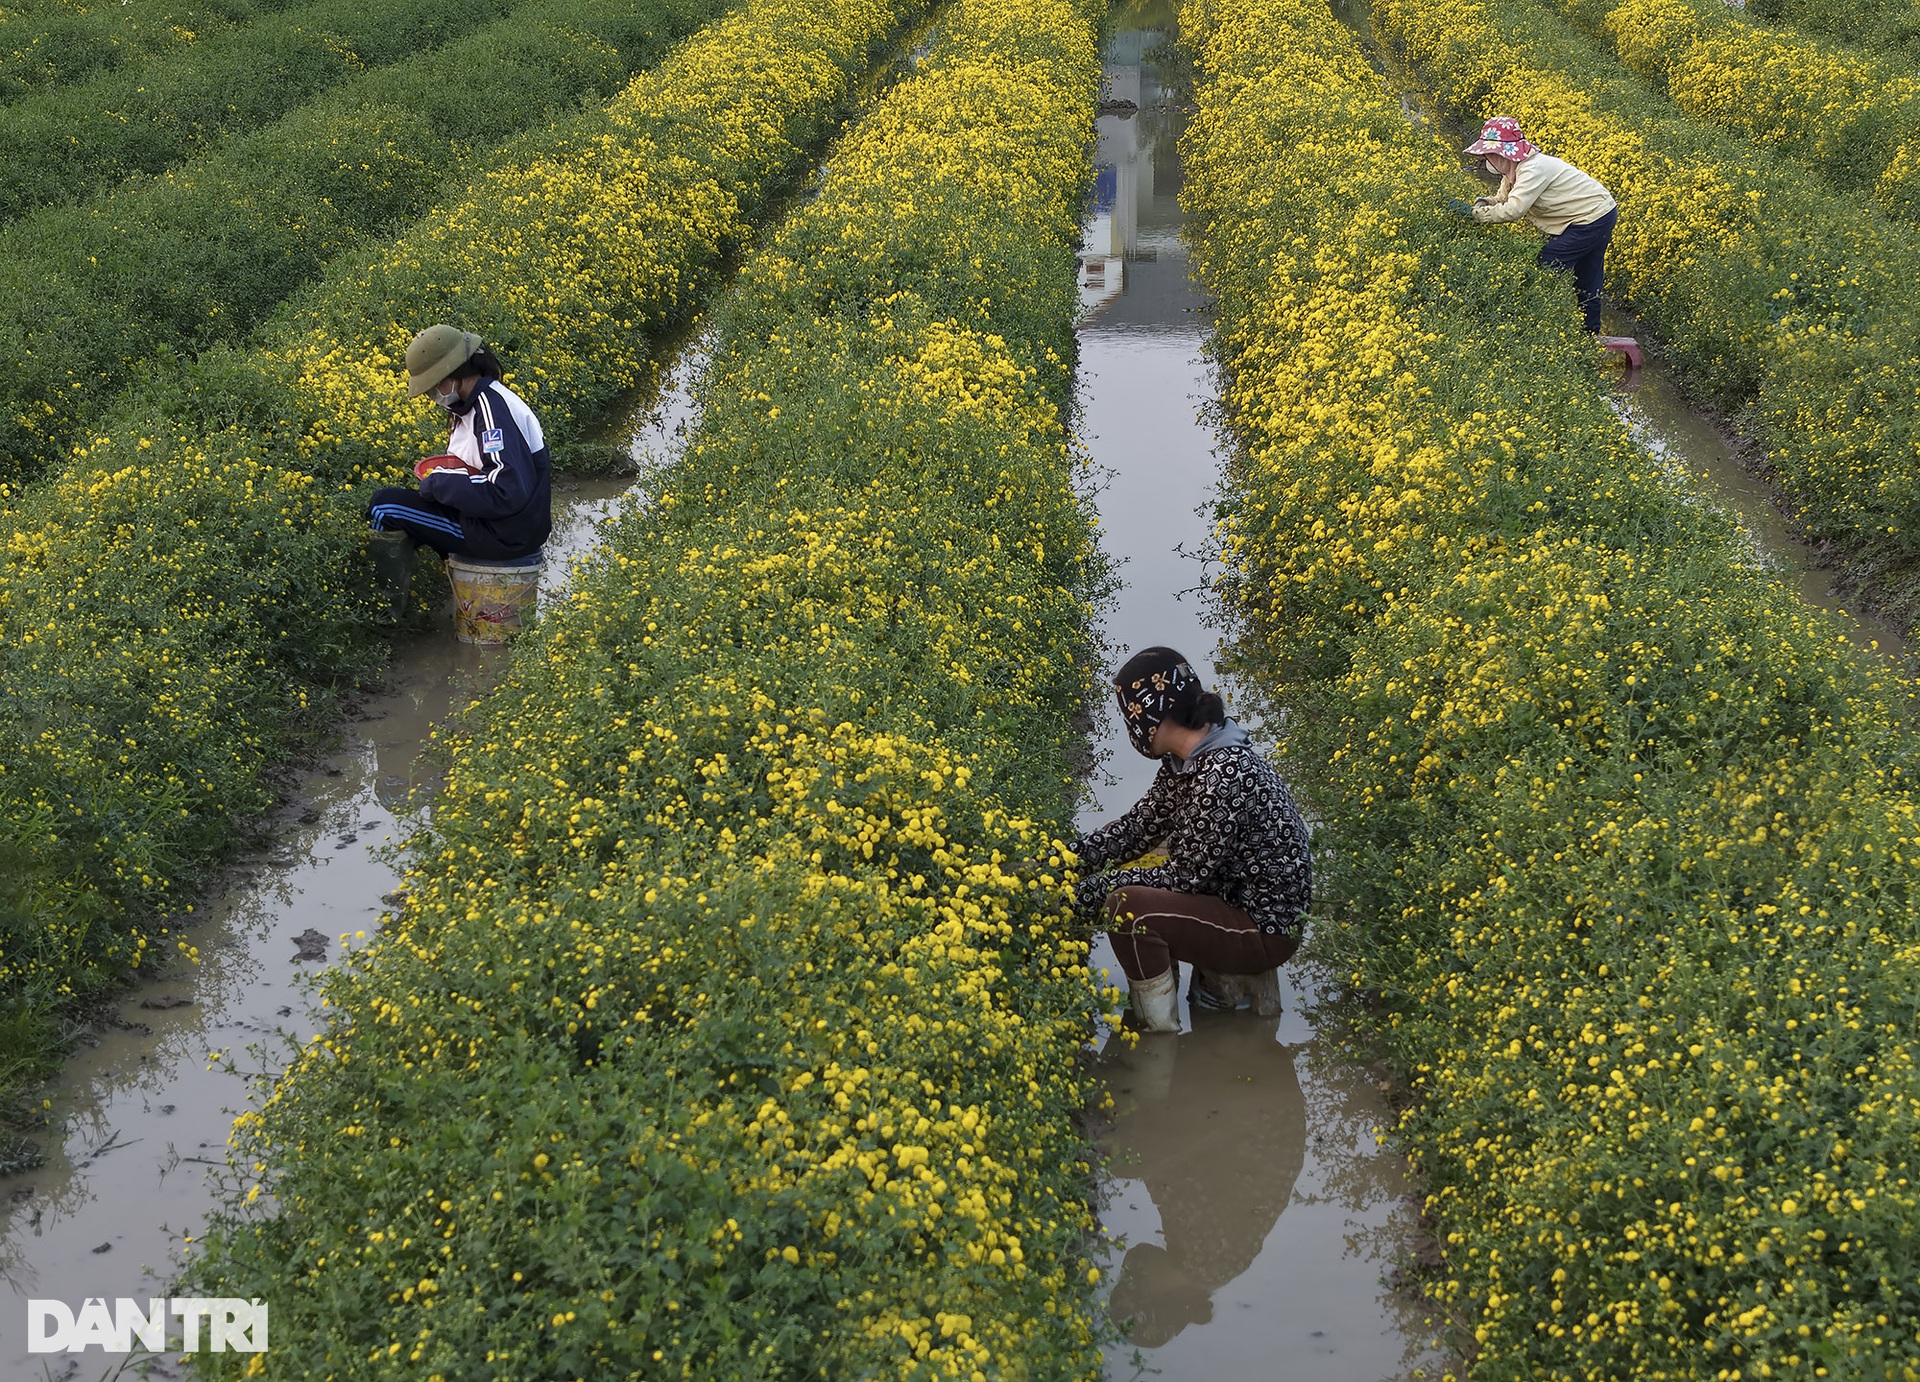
x=507 y=503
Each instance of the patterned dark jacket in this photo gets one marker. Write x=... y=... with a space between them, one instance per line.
x=1230 y=830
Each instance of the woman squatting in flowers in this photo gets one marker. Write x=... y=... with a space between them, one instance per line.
x=490 y=497
x=1238 y=876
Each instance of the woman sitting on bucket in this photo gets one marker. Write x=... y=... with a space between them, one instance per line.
x=1238 y=877
x=490 y=496
x=1576 y=213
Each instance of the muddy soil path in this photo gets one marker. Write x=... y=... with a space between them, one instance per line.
x=1261 y=1218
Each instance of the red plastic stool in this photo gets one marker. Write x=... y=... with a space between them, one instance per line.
x=1626 y=345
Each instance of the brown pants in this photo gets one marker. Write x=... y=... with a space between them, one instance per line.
x=1152 y=928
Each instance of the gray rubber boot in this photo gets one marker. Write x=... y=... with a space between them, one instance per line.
x=1156 y=1002
x=392 y=556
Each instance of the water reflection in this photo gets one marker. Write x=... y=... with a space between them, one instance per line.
x=1134 y=266
x=142 y=1111
x=429 y=683
x=1213 y=1126
x=1257 y=1211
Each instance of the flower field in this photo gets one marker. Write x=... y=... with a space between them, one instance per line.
x=1852 y=116
x=121 y=285
x=1887 y=28
x=72 y=140
x=733 y=1020
x=1623 y=834
x=1786 y=303
x=190 y=593
x=45 y=43
x=718 y=1035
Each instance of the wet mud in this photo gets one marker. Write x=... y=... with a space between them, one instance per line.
x=1710 y=463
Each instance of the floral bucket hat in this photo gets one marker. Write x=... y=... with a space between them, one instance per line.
x=1502 y=135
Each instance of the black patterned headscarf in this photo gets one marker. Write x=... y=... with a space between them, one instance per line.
x=1149 y=696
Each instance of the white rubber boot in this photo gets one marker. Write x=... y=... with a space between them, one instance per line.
x=1156 y=1002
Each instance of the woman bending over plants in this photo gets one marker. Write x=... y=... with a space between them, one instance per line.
x=1570 y=208
x=1238 y=876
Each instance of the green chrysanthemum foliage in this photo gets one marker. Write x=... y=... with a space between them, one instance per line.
x=1621 y=832
x=721 y=1033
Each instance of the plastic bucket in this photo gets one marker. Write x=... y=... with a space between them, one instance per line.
x=492 y=599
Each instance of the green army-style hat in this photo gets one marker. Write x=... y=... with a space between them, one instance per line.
x=436 y=353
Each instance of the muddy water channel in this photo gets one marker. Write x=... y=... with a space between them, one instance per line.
x=138 y=1121
x=1700 y=457
x=1260 y=1218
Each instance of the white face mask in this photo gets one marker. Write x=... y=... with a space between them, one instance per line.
x=448 y=399
x=1487 y=163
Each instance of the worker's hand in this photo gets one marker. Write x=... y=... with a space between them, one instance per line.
x=1483 y=201
x=1460 y=208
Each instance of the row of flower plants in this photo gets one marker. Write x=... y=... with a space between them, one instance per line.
x=722 y=1032
x=1854 y=117
x=69 y=142
x=1887 y=28
x=181 y=606
x=120 y=286
x=1783 y=301
x=1622 y=834
x=45 y=43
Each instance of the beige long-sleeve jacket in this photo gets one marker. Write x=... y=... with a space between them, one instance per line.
x=1548 y=191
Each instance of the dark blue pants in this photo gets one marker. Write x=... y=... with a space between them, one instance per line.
x=428 y=522
x=1583 y=249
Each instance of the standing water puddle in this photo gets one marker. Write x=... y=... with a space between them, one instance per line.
x=1259 y=1214
x=140 y=1118
x=1701 y=458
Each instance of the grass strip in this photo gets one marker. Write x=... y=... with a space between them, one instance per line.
x=124 y=285
x=1785 y=303
x=1621 y=831
x=718 y=1036
x=1852 y=117
x=179 y=608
